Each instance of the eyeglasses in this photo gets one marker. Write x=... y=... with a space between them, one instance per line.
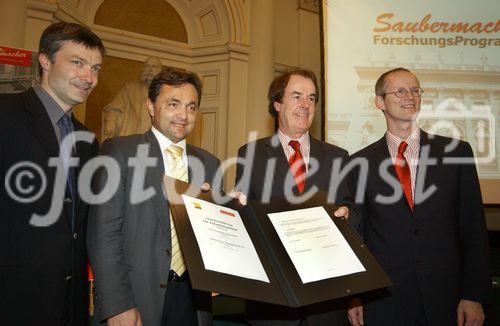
x=402 y=92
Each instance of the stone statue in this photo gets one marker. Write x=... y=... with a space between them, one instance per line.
x=127 y=114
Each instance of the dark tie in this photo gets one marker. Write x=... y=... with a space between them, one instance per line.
x=403 y=172
x=66 y=128
x=298 y=169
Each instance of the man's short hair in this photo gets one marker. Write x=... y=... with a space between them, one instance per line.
x=54 y=36
x=173 y=77
x=380 y=84
x=277 y=87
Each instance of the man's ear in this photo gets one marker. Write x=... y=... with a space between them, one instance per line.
x=277 y=106
x=379 y=102
x=151 y=108
x=44 y=61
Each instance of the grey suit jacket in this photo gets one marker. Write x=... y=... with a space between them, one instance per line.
x=129 y=243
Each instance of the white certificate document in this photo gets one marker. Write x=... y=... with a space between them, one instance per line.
x=224 y=242
x=315 y=245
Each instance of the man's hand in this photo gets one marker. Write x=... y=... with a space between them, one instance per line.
x=205 y=187
x=128 y=318
x=470 y=313
x=235 y=194
x=355 y=312
x=342 y=211
x=238 y=195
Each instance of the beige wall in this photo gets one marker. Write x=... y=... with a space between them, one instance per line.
x=236 y=46
x=297 y=43
x=12 y=31
x=115 y=73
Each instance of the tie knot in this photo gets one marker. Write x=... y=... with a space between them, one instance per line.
x=295 y=145
x=175 y=151
x=65 y=120
x=402 y=147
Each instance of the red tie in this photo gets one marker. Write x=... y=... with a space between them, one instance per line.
x=298 y=169
x=403 y=172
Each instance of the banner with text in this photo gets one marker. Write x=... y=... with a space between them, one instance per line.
x=452 y=46
x=18 y=69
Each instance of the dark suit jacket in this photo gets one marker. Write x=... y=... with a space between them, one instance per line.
x=266 y=157
x=35 y=261
x=266 y=173
x=129 y=243
x=439 y=253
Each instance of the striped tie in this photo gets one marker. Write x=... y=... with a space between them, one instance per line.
x=176 y=169
x=299 y=169
x=404 y=174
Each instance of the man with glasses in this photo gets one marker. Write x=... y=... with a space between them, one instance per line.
x=422 y=217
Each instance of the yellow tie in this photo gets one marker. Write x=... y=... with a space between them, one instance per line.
x=176 y=169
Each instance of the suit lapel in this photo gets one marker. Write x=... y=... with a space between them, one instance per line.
x=79 y=152
x=41 y=123
x=154 y=178
x=381 y=153
x=82 y=151
x=276 y=152
x=192 y=153
x=316 y=153
x=45 y=135
x=430 y=173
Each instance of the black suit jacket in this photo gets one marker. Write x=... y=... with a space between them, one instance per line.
x=439 y=253
x=129 y=240
x=39 y=266
x=263 y=173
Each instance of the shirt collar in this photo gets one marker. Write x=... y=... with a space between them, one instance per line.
x=53 y=109
x=413 y=140
x=165 y=142
x=303 y=140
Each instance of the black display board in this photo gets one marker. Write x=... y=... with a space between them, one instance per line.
x=285 y=287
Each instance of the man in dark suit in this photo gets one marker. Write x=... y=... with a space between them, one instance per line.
x=139 y=276
x=422 y=217
x=43 y=271
x=292 y=163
